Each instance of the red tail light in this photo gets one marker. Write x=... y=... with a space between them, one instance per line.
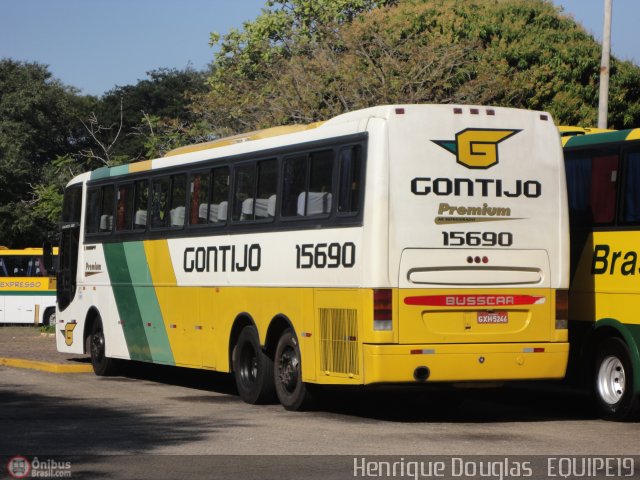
x=383 y=309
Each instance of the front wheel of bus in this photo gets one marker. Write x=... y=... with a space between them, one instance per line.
x=103 y=366
x=253 y=369
x=615 y=396
x=291 y=390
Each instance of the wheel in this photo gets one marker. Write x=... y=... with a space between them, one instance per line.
x=615 y=397
x=253 y=369
x=103 y=366
x=291 y=390
x=49 y=318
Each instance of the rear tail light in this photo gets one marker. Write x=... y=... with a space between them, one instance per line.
x=562 y=309
x=382 y=309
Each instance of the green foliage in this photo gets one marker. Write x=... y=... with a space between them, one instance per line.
x=123 y=116
x=305 y=60
x=38 y=121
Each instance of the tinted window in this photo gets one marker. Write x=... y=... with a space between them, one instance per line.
x=350 y=173
x=141 y=194
x=124 y=207
x=220 y=195
x=308 y=184
x=199 y=194
x=631 y=195
x=72 y=204
x=591 y=187
x=99 y=215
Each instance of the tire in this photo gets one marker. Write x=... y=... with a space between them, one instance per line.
x=49 y=318
x=614 y=389
x=252 y=368
x=103 y=366
x=291 y=390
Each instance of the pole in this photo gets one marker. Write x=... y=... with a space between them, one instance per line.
x=603 y=103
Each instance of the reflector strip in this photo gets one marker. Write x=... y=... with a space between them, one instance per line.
x=533 y=350
x=426 y=351
x=474 y=300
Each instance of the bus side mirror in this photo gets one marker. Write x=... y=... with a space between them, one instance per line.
x=47 y=256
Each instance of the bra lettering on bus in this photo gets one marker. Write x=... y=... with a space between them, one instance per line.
x=484 y=187
x=608 y=262
x=223 y=258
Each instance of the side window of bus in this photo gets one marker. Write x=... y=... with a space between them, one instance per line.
x=219 y=195
x=591 y=182
x=178 y=200
x=141 y=194
x=92 y=220
x=631 y=194
x=124 y=207
x=199 y=207
x=307 y=189
x=100 y=202
x=168 y=201
x=160 y=190
x=255 y=191
x=350 y=178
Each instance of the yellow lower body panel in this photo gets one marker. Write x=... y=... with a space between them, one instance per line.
x=459 y=362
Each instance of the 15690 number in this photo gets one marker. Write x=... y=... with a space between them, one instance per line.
x=477 y=239
x=325 y=255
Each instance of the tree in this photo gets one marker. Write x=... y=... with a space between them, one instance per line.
x=126 y=116
x=39 y=121
x=302 y=61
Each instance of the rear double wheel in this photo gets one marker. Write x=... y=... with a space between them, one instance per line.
x=253 y=369
x=614 y=389
x=292 y=392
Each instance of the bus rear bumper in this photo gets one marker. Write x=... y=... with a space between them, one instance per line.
x=453 y=363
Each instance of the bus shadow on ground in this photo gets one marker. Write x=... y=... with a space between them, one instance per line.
x=515 y=402
x=36 y=424
x=511 y=403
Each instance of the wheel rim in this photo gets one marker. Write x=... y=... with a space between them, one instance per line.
x=248 y=365
x=97 y=346
x=288 y=369
x=611 y=380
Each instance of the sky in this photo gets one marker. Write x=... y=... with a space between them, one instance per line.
x=94 y=45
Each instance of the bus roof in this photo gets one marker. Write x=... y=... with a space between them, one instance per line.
x=613 y=136
x=243 y=137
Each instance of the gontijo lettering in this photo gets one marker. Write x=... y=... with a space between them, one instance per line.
x=222 y=258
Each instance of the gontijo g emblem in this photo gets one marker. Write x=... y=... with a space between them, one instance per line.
x=476 y=147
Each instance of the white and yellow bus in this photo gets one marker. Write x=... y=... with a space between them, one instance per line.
x=396 y=244
x=27 y=289
x=603 y=181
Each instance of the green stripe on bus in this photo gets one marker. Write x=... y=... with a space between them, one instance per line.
x=148 y=305
x=126 y=302
x=106 y=172
x=22 y=293
x=597 y=138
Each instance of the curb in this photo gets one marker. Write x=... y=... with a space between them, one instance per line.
x=45 y=366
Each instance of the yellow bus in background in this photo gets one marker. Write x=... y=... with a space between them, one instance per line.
x=27 y=289
x=603 y=181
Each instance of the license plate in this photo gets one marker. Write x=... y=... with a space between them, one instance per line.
x=485 y=318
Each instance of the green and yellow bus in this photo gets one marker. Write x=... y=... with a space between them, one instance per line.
x=396 y=244
x=603 y=181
